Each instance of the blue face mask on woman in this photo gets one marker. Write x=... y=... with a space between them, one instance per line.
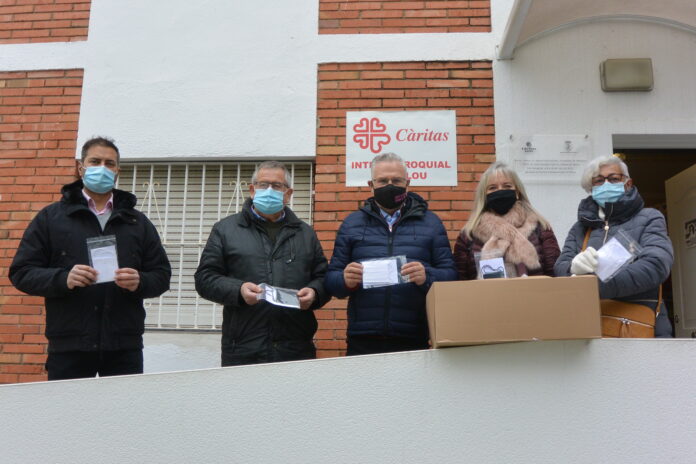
x=608 y=192
x=268 y=201
x=99 y=179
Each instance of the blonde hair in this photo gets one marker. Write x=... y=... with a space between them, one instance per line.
x=480 y=198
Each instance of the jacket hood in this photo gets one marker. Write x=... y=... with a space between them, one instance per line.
x=616 y=213
x=72 y=194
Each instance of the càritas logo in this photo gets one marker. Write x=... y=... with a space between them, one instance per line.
x=370 y=133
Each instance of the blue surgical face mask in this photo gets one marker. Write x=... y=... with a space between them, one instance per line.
x=268 y=201
x=99 y=179
x=607 y=193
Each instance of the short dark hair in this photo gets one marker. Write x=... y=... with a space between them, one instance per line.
x=100 y=142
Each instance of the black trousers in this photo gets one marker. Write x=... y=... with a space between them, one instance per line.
x=371 y=345
x=82 y=364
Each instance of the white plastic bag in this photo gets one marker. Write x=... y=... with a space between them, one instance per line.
x=617 y=253
x=382 y=272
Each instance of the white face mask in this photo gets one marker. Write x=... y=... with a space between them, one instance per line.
x=268 y=201
x=608 y=192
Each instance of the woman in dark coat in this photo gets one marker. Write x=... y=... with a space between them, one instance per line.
x=615 y=204
x=504 y=224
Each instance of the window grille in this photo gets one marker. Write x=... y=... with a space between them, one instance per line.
x=183 y=200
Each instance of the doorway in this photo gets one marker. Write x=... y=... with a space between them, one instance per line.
x=649 y=169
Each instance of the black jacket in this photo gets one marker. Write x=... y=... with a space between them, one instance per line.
x=239 y=250
x=101 y=316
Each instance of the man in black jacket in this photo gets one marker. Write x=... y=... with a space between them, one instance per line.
x=94 y=322
x=264 y=243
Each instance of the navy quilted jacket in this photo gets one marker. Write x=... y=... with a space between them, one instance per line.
x=398 y=310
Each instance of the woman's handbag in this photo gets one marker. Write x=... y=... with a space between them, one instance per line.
x=626 y=320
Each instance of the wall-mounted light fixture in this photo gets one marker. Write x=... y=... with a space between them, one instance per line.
x=626 y=75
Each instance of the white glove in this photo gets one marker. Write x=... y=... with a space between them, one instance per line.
x=585 y=262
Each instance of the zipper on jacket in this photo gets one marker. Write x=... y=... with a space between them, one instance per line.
x=606 y=231
x=279 y=243
x=274 y=247
x=266 y=244
x=390 y=247
x=99 y=309
x=606 y=223
x=390 y=250
x=387 y=299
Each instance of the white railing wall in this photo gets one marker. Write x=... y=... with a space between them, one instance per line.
x=599 y=401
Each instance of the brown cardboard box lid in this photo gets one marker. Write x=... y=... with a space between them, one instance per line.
x=503 y=310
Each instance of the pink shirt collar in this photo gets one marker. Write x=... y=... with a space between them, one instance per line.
x=93 y=207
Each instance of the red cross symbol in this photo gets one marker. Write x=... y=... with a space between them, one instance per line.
x=371 y=134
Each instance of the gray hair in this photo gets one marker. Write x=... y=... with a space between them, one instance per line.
x=594 y=166
x=272 y=165
x=387 y=158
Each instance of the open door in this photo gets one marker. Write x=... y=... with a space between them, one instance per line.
x=681 y=205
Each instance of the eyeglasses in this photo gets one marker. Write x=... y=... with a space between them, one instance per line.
x=612 y=178
x=397 y=181
x=274 y=185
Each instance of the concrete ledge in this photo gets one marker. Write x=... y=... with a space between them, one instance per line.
x=543 y=402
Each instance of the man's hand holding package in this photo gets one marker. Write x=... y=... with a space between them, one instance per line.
x=415 y=272
x=306 y=296
x=352 y=275
x=250 y=292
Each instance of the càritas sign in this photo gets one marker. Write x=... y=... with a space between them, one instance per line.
x=426 y=140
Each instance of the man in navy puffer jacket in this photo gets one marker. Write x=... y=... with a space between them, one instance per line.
x=391 y=223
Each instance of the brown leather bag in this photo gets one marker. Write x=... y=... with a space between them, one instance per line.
x=626 y=320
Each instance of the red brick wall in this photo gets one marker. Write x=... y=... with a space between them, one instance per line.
x=25 y=21
x=39 y=111
x=394 y=16
x=463 y=86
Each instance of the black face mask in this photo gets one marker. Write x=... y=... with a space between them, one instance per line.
x=390 y=196
x=501 y=201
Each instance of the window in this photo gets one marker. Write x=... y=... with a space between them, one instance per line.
x=183 y=200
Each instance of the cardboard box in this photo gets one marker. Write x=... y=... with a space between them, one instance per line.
x=477 y=312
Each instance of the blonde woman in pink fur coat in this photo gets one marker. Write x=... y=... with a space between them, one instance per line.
x=504 y=224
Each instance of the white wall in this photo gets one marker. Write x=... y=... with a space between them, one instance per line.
x=552 y=87
x=606 y=401
x=167 y=351
x=220 y=78
x=227 y=78
x=217 y=78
